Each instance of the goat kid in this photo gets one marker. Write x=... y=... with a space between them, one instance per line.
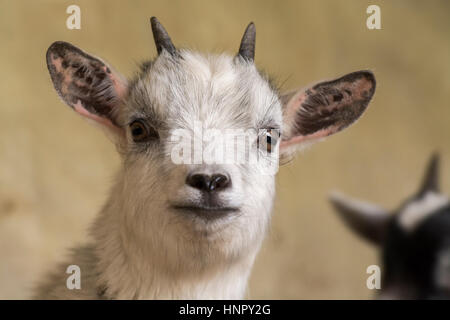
x=414 y=240
x=187 y=231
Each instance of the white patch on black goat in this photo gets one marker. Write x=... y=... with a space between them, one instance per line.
x=419 y=209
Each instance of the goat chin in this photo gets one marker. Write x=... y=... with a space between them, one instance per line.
x=135 y=255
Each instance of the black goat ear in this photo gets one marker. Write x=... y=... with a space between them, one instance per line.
x=367 y=220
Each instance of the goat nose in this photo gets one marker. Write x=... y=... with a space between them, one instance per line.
x=204 y=182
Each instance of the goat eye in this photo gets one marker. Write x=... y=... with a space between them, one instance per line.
x=270 y=138
x=141 y=132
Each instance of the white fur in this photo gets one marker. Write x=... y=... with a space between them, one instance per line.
x=417 y=211
x=141 y=248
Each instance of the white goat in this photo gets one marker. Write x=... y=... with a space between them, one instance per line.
x=187 y=231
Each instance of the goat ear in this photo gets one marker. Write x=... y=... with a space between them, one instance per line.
x=325 y=108
x=367 y=220
x=87 y=84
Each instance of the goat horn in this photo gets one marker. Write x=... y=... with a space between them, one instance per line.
x=430 y=180
x=162 y=39
x=247 y=47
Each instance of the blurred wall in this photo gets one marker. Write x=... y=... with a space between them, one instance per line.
x=55 y=169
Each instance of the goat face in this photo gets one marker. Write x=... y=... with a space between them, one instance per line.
x=414 y=240
x=220 y=204
x=179 y=100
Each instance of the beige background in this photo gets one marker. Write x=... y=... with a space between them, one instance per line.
x=55 y=169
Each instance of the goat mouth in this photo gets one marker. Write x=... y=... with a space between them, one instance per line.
x=206 y=212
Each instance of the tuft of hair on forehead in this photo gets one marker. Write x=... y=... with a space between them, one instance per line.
x=194 y=80
x=204 y=67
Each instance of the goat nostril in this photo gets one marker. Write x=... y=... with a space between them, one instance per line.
x=218 y=181
x=208 y=183
x=198 y=181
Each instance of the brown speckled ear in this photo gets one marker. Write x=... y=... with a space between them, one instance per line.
x=85 y=83
x=326 y=108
